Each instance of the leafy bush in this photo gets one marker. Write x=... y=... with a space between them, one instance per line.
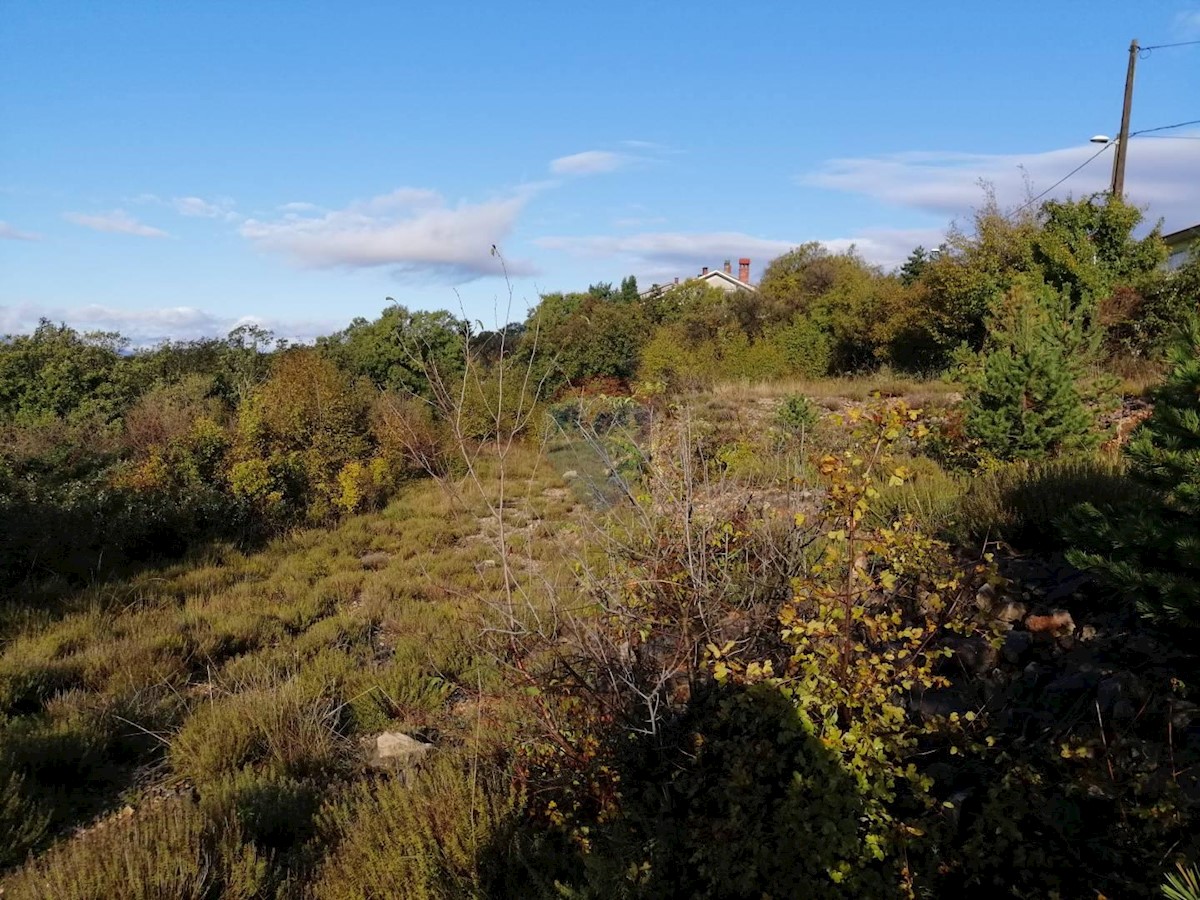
x=495 y=404
x=806 y=348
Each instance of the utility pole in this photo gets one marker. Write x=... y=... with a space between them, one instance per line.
x=1118 y=174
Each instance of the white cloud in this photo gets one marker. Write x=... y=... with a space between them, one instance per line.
x=652 y=146
x=589 y=162
x=11 y=233
x=412 y=230
x=1187 y=24
x=887 y=247
x=198 y=207
x=146 y=327
x=116 y=222
x=1163 y=175
x=664 y=255
x=298 y=206
x=660 y=256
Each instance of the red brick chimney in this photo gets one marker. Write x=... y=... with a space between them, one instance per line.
x=704 y=271
x=744 y=270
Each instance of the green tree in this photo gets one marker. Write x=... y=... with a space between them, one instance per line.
x=400 y=349
x=1029 y=394
x=297 y=433
x=629 y=290
x=914 y=265
x=57 y=372
x=1151 y=551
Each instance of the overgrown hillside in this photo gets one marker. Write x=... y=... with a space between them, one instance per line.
x=860 y=584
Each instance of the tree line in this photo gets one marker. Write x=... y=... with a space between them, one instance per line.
x=112 y=455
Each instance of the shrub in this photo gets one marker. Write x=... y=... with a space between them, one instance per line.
x=1027 y=396
x=170 y=849
x=408 y=434
x=22 y=821
x=1026 y=503
x=1150 y=550
x=428 y=836
x=493 y=405
x=797 y=414
x=285 y=731
x=806 y=348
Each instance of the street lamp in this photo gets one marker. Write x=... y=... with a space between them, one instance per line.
x=1117 y=159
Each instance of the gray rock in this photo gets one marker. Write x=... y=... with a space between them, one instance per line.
x=1071 y=683
x=1016 y=645
x=1123 y=711
x=395 y=751
x=1109 y=691
x=976 y=655
x=1009 y=612
x=938 y=702
x=1031 y=674
x=986 y=595
x=570 y=475
x=375 y=560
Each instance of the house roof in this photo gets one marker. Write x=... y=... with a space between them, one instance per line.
x=1183 y=236
x=721 y=275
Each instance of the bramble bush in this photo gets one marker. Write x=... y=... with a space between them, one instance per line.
x=792 y=723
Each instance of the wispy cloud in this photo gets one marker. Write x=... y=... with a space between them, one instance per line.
x=663 y=255
x=146 y=327
x=116 y=222
x=411 y=230
x=886 y=247
x=590 y=162
x=11 y=233
x=1163 y=175
x=650 y=146
x=198 y=207
x=1187 y=24
x=192 y=207
x=298 y=206
x=669 y=253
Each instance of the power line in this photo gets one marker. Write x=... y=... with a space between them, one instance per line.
x=1029 y=203
x=1171 y=137
x=1167 y=127
x=1145 y=51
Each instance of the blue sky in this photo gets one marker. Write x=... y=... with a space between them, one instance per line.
x=172 y=169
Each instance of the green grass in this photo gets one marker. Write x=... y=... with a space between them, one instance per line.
x=255 y=669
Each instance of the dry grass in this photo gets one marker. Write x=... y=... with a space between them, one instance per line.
x=856 y=388
x=259 y=666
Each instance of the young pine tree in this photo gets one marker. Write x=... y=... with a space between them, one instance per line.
x=1151 y=551
x=1029 y=394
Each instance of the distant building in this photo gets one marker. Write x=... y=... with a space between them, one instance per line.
x=722 y=278
x=1178 y=245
